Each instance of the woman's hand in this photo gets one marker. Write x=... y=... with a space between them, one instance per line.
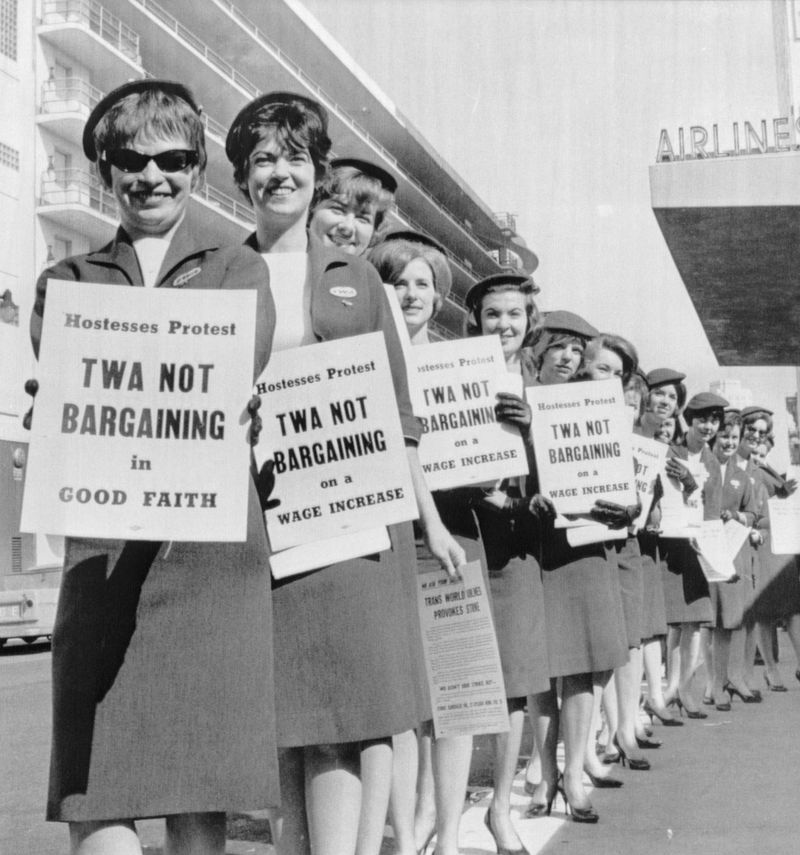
x=613 y=515
x=265 y=484
x=789 y=486
x=444 y=548
x=678 y=470
x=541 y=508
x=726 y=516
x=756 y=538
x=511 y=409
x=253 y=406
x=31 y=388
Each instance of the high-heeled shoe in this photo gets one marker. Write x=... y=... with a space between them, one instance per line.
x=708 y=700
x=608 y=758
x=776 y=687
x=640 y=764
x=662 y=714
x=734 y=692
x=648 y=742
x=587 y=814
x=604 y=782
x=797 y=674
x=723 y=706
x=756 y=693
x=536 y=809
x=501 y=850
x=689 y=713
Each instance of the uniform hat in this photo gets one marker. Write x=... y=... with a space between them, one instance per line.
x=706 y=401
x=415 y=237
x=372 y=170
x=170 y=87
x=568 y=322
x=250 y=109
x=664 y=377
x=752 y=411
x=524 y=284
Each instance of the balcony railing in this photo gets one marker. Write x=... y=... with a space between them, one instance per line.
x=77 y=187
x=80 y=187
x=67 y=94
x=96 y=18
x=239 y=210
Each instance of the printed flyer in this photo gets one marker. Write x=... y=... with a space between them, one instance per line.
x=461 y=655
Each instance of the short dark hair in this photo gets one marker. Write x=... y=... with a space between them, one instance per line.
x=391 y=257
x=354 y=187
x=473 y=323
x=298 y=123
x=619 y=345
x=152 y=113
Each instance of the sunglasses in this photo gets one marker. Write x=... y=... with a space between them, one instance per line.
x=173 y=160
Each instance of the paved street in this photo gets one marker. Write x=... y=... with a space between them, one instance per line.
x=729 y=784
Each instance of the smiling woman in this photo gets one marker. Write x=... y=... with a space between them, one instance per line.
x=136 y=619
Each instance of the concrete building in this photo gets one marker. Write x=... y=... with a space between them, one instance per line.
x=59 y=57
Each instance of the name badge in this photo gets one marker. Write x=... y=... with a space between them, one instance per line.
x=343 y=291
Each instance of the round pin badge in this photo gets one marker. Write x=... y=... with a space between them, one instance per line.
x=343 y=291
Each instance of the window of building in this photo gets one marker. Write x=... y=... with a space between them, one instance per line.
x=8 y=28
x=9 y=157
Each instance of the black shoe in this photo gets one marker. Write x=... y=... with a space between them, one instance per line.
x=648 y=742
x=639 y=764
x=603 y=782
x=662 y=714
x=588 y=814
x=777 y=687
x=695 y=714
x=733 y=691
x=501 y=850
x=536 y=809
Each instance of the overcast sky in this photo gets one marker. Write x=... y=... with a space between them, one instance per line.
x=551 y=109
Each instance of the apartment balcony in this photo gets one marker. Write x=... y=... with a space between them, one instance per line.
x=75 y=200
x=87 y=31
x=65 y=104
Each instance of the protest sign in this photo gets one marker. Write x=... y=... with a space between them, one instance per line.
x=140 y=426
x=582 y=438
x=462 y=660
x=331 y=426
x=454 y=395
x=682 y=514
x=648 y=459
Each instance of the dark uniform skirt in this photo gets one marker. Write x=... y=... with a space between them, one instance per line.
x=777 y=586
x=631 y=586
x=162 y=679
x=686 y=594
x=346 y=665
x=585 y=619
x=515 y=584
x=654 y=618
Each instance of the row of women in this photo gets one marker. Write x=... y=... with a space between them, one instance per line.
x=187 y=684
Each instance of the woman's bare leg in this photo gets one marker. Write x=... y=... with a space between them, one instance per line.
x=333 y=798
x=451 y=761
x=403 y=798
x=507 y=747
x=377 y=771
x=576 y=721
x=111 y=837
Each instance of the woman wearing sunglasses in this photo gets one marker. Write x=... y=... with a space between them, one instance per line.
x=162 y=653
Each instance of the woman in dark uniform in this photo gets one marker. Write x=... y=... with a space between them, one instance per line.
x=665 y=399
x=686 y=596
x=739 y=503
x=777 y=593
x=585 y=638
x=427 y=796
x=503 y=305
x=162 y=653
x=344 y=677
